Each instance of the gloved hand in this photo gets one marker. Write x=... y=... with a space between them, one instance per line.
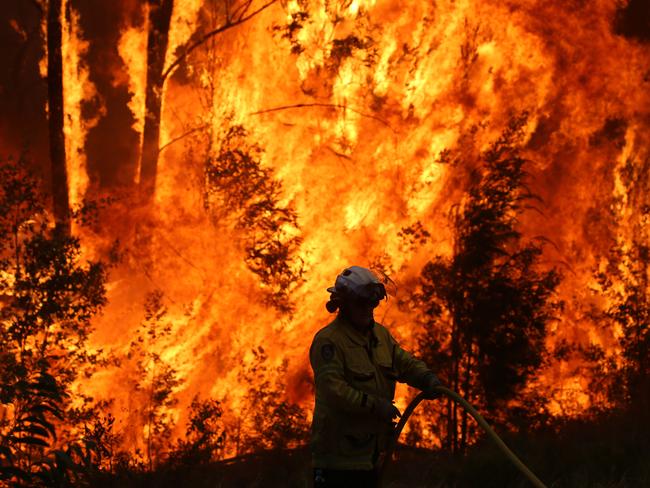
x=430 y=383
x=385 y=410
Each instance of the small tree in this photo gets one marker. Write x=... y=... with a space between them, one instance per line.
x=155 y=379
x=205 y=436
x=47 y=299
x=486 y=307
x=239 y=189
x=625 y=281
x=268 y=420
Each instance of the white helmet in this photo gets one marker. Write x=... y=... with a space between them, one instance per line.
x=356 y=282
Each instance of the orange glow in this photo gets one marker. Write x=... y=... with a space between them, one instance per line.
x=357 y=138
x=77 y=89
x=133 y=51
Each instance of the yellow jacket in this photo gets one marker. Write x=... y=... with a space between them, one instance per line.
x=350 y=372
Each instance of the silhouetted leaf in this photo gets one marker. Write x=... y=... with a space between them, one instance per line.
x=35 y=441
x=9 y=472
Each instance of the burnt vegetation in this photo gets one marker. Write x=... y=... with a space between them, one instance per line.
x=54 y=435
x=48 y=297
x=240 y=189
x=623 y=278
x=486 y=308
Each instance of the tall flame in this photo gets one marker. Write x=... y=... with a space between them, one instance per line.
x=77 y=89
x=133 y=51
x=370 y=115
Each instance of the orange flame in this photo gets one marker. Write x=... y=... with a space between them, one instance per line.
x=359 y=133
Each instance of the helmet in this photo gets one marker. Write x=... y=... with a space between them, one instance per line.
x=356 y=284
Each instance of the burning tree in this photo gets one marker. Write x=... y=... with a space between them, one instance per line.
x=269 y=421
x=486 y=307
x=624 y=280
x=160 y=13
x=154 y=381
x=55 y=115
x=345 y=125
x=239 y=188
x=48 y=297
x=205 y=436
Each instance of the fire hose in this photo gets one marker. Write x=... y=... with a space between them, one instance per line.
x=479 y=419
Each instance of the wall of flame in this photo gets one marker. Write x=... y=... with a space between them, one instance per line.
x=358 y=138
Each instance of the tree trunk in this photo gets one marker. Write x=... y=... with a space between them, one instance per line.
x=448 y=445
x=456 y=359
x=160 y=12
x=467 y=394
x=61 y=204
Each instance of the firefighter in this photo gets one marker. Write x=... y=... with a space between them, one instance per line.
x=356 y=363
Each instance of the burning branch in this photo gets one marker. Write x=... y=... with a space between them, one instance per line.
x=182 y=136
x=159 y=21
x=325 y=105
x=241 y=17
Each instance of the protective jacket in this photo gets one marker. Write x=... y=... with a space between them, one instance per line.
x=351 y=371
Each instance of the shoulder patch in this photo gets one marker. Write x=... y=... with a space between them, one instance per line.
x=327 y=351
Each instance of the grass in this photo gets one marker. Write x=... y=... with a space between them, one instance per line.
x=611 y=451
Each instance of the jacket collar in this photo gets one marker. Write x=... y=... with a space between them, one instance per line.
x=357 y=337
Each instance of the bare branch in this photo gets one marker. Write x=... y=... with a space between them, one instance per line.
x=325 y=105
x=338 y=154
x=179 y=254
x=39 y=7
x=228 y=25
x=182 y=136
x=240 y=11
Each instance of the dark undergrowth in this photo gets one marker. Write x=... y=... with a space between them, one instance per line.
x=609 y=451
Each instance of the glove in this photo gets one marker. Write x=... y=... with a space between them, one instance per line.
x=386 y=411
x=430 y=383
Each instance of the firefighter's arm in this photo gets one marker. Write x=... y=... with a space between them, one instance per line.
x=410 y=370
x=327 y=362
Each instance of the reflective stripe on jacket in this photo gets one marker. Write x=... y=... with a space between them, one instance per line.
x=351 y=371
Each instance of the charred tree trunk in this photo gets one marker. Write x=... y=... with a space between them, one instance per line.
x=448 y=445
x=60 y=195
x=160 y=12
x=467 y=394
x=641 y=383
x=456 y=358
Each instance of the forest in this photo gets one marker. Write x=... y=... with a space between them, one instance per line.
x=181 y=180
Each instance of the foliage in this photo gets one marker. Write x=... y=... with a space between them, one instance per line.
x=291 y=29
x=413 y=236
x=486 y=307
x=605 y=451
x=47 y=299
x=95 y=443
x=239 y=187
x=268 y=420
x=623 y=279
x=154 y=380
x=336 y=49
x=205 y=435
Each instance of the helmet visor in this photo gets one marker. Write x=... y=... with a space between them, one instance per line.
x=371 y=294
